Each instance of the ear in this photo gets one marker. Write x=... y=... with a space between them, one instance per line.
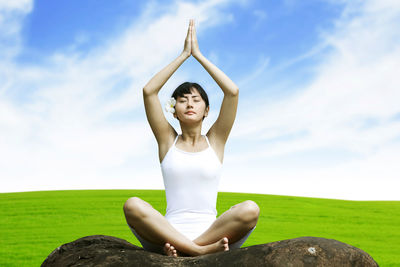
x=206 y=111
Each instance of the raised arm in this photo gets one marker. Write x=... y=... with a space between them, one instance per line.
x=161 y=128
x=223 y=125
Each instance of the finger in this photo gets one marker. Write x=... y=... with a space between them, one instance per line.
x=189 y=31
x=194 y=33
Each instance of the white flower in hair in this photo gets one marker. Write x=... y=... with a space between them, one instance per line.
x=170 y=105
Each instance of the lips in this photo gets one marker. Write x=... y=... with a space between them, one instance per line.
x=190 y=112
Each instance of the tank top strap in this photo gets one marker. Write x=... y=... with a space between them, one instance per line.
x=208 y=142
x=176 y=139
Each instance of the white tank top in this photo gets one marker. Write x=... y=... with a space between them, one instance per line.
x=191 y=180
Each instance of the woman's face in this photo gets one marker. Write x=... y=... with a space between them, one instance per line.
x=190 y=107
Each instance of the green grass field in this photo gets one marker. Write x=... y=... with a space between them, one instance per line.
x=33 y=224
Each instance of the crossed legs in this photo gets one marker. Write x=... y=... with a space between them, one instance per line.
x=231 y=226
x=234 y=224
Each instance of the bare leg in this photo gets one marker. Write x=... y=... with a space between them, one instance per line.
x=152 y=226
x=233 y=224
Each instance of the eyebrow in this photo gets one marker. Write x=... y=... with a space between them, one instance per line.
x=193 y=96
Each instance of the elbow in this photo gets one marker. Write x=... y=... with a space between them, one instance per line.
x=150 y=91
x=234 y=91
x=146 y=91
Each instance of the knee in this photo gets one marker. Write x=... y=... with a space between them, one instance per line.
x=134 y=208
x=248 y=212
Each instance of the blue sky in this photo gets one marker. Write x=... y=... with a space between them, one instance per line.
x=318 y=112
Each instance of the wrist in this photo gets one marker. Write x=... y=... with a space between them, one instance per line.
x=184 y=55
x=198 y=55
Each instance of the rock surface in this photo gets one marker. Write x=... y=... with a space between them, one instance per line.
x=101 y=250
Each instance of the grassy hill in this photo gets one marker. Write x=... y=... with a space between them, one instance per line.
x=32 y=224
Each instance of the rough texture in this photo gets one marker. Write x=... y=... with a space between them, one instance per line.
x=101 y=250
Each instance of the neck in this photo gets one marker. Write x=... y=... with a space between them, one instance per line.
x=191 y=133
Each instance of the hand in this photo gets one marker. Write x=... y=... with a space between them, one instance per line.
x=195 y=46
x=187 y=49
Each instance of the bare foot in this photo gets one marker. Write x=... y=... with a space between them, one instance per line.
x=221 y=245
x=169 y=250
x=225 y=243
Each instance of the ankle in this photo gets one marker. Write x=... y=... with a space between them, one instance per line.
x=200 y=250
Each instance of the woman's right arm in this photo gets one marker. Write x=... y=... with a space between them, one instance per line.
x=162 y=130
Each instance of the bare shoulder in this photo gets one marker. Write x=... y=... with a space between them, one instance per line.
x=218 y=144
x=164 y=146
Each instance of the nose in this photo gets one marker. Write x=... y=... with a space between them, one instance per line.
x=189 y=103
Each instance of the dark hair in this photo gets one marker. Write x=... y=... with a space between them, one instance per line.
x=185 y=88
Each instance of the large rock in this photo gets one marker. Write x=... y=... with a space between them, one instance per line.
x=303 y=251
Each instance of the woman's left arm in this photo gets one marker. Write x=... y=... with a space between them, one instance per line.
x=227 y=114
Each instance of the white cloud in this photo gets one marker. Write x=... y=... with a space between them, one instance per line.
x=12 y=14
x=61 y=125
x=60 y=122
x=356 y=82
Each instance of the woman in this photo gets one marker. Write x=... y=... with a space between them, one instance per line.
x=191 y=165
